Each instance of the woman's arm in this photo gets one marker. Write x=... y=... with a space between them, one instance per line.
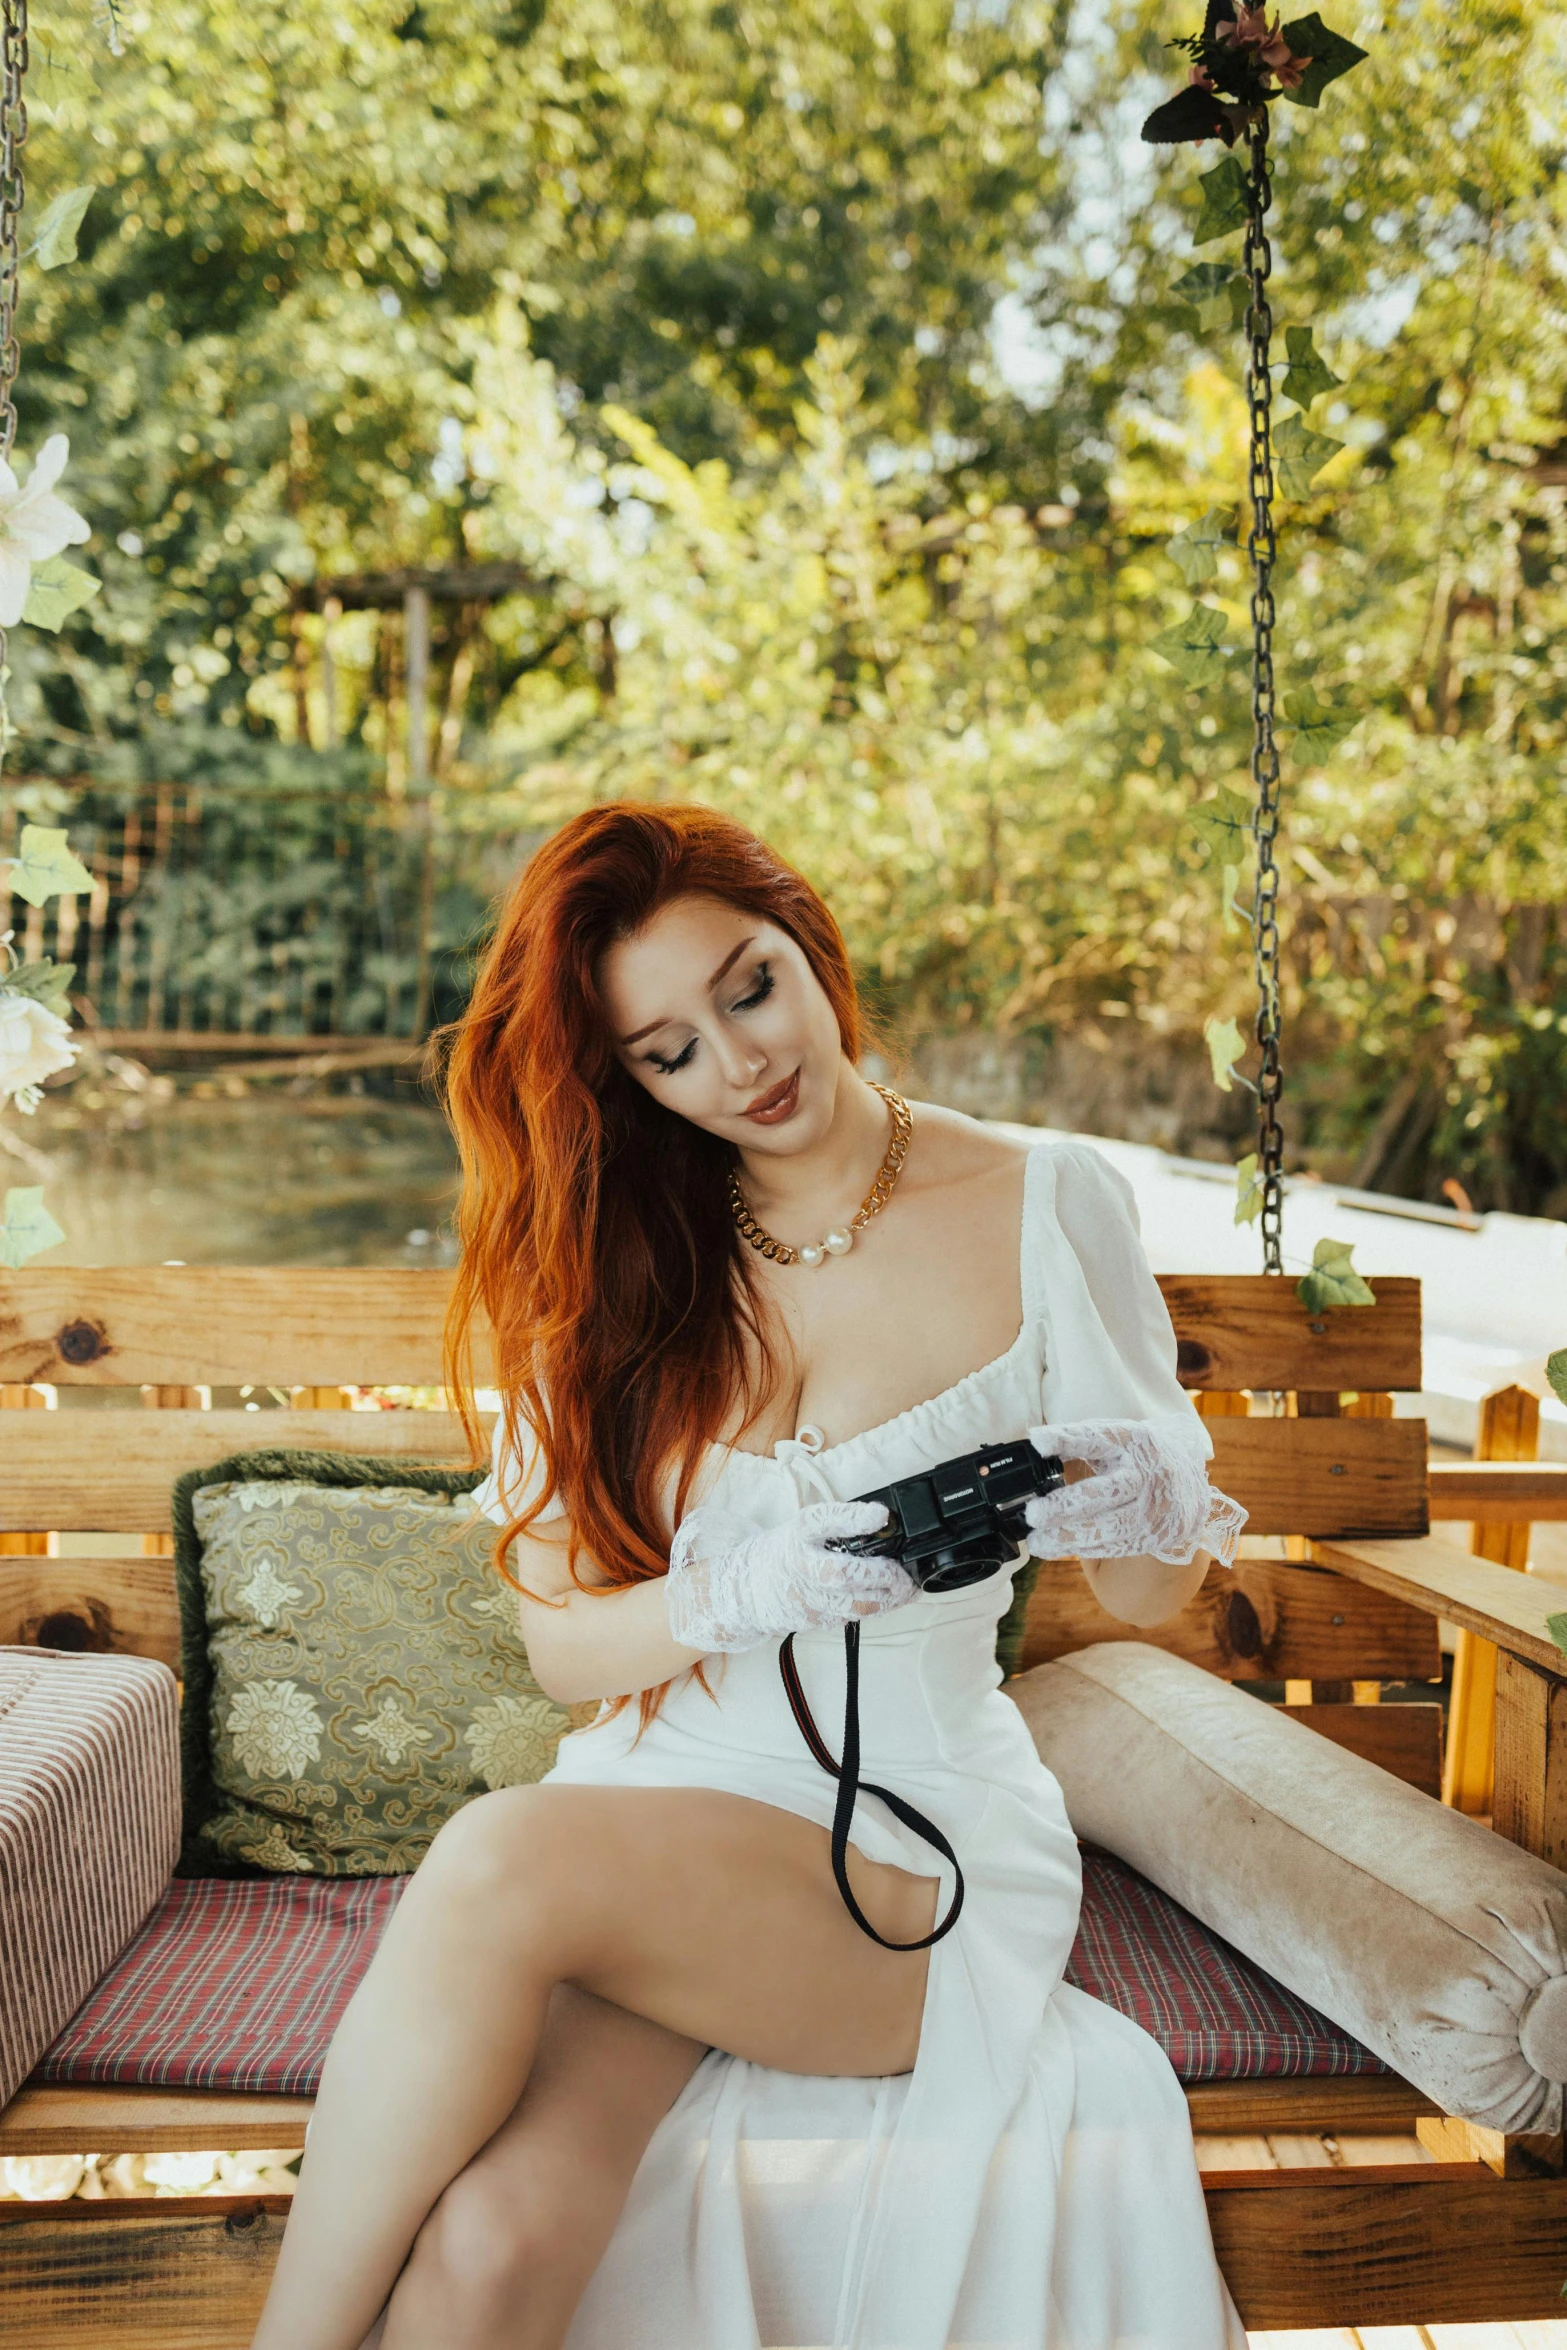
x=593 y=1643
x=1113 y=1355
x=1144 y=1591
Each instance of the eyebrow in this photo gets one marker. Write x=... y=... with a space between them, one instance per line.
x=724 y=968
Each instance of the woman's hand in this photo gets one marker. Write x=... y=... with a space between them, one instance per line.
x=1149 y=1495
x=731 y=1588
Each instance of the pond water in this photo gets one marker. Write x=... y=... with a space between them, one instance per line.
x=233 y=1174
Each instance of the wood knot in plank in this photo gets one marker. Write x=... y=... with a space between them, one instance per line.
x=1192 y=1359
x=77 y=1634
x=81 y=1342
x=1244 y=1626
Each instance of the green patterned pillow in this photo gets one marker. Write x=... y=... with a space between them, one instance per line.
x=352 y=1663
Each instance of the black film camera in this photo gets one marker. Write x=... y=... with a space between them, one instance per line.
x=958 y=1523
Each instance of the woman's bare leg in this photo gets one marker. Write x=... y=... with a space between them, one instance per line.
x=711 y=1915
x=506 y=2255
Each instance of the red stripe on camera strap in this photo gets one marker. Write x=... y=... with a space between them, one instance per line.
x=851 y=1785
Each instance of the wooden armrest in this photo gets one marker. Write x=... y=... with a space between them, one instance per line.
x=1442 y=1580
x=1505 y=1493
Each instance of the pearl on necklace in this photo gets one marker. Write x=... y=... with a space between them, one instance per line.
x=840 y=1240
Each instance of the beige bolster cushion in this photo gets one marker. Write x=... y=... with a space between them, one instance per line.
x=1438 y=1944
x=89 y=1830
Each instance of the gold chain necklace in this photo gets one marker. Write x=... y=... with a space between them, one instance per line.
x=840 y=1240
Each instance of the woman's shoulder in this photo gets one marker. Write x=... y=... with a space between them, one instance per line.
x=956 y=1149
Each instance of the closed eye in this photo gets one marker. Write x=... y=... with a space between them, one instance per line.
x=765 y=983
x=761 y=988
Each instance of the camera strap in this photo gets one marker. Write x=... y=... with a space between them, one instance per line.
x=850 y=1784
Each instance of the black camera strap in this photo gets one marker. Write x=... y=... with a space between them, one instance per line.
x=850 y=1784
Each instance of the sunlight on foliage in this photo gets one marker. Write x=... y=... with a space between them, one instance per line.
x=1249 y=1193
x=704 y=339
x=1226 y=1046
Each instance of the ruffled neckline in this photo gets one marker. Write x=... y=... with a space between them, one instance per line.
x=786 y=1447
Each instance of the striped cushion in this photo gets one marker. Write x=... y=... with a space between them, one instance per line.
x=89 y=1813
x=1216 y=2016
x=240 y=1986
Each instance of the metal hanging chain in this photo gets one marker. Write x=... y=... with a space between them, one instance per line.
x=1261 y=548
x=13 y=138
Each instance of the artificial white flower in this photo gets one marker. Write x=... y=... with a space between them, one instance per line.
x=34 y=524
x=34 y=1043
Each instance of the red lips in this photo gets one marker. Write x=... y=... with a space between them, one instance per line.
x=777 y=1104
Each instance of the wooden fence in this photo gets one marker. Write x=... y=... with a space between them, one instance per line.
x=249 y=912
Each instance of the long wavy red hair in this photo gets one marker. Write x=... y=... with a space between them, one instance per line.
x=596 y=1235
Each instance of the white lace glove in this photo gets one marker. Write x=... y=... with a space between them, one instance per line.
x=1149 y=1496
x=731 y=1588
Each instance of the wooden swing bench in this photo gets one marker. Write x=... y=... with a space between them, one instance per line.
x=1300 y=1413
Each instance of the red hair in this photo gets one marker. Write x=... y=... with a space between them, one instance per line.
x=596 y=1234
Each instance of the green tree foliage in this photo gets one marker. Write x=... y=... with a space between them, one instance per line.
x=841 y=374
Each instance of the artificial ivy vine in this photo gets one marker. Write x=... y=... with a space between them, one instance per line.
x=40 y=587
x=1240 y=64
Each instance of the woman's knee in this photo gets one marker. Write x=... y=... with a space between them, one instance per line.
x=497 y=2233
x=498 y=1846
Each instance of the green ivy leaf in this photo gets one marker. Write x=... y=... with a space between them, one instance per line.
x=1316 y=727
x=1333 y=1280
x=1233 y=916
x=1195 y=550
x=1248 y=1190
x=28 y=1228
x=1217 y=295
x=1556 y=1372
x=1226 y=1046
x=47 y=983
x=1203 y=280
x=1308 y=375
x=56 y=590
x=1193 y=645
x=1330 y=54
x=1225 y=824
x=1224 y=203
x=46 y=867
x=1299 y=455
x=1557 y=1628
x=59 y=223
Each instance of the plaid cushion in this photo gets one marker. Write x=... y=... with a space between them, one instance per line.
x=231 y=1984
x=240 y=1985
x=1216 y=2016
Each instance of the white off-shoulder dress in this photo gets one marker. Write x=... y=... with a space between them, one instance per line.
x=1031 y=2185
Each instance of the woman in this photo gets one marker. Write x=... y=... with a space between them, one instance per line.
x=625 y=2074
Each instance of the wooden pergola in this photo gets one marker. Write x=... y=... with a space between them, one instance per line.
x=412 y=590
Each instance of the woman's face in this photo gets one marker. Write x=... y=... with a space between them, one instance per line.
x=720 y=1016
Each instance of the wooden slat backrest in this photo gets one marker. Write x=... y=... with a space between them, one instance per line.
x=105 y=1471
x=1272 y=1621
x=1248 y=1330
x=224 y=1326
x=109 y=1470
